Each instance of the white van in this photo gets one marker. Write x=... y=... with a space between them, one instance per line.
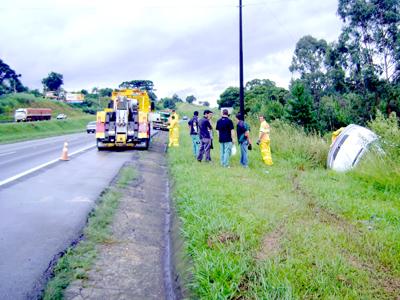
x=349 y=147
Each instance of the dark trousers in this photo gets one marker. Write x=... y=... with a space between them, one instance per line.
x=205 y=148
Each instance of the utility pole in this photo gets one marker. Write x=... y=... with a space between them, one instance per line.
x=241 y=89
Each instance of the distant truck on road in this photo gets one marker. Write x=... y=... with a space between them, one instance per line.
x=32 y=114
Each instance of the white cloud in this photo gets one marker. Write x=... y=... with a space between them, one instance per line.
x=184 y=46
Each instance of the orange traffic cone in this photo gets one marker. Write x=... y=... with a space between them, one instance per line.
x=64 y=155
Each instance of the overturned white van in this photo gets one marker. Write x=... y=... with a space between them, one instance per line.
x=349 y=147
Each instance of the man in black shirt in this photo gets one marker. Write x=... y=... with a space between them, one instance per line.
x=205 y=137
x=194 y=132
x=225 y=130
x=243 y=137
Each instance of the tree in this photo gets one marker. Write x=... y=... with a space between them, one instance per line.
x=265 y=97
x=53 y=81
x=84 y=92
x=300 y=109
x=229 y=98
x=335 y=112
x=106 y=92
x=190 y=99
x=168 y=103
x=206 y=103
x=176 y=98
x=308 y=61
x=9 y=80
x=147 y=85
x=371 y=36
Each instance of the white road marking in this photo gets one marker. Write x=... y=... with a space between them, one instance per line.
x=7 y=153
x=15 y=177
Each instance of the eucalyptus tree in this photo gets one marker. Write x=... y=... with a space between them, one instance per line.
x=309 y=62
x=371 y=38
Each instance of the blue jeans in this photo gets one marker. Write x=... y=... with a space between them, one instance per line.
x=196 y=144
x=244 y=161
x=225 y=153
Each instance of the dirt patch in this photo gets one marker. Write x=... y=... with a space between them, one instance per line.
x=271 y=244
x=222 y=238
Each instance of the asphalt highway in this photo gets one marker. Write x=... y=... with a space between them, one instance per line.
x=43 y=212
x=19 y=157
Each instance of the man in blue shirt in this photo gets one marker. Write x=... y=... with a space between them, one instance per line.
x=225 y=131
x=205 y=137
x=194 y=132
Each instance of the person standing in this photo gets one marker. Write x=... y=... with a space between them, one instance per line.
x=175 y=114
x=205 y=137
x=264 y=141
x=194 y=133
x=243 y=136
x=173 y=132
x=225 y=131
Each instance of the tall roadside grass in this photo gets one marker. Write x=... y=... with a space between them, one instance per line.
x=292 y=143
x=291 y=231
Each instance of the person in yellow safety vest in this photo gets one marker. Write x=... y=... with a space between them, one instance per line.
x=264 y=141
x=335 y=134
x=173 y=132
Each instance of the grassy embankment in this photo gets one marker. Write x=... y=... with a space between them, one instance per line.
x=298 y=231
x=186 y=109
x=78 y=260
x=9 y=132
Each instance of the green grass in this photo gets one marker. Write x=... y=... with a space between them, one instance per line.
x=297 y=232
x=187 y=109
x=12 y=132
x=78 y=260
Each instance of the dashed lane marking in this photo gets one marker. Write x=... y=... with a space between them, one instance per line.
x=20 y=175
x=7 y=153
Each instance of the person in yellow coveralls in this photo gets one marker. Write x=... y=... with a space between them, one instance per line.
x=175 y=114
x=173 y=132
x=264 y=141
x=335 y=134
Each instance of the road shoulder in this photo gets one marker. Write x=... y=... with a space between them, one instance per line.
x=131 y=265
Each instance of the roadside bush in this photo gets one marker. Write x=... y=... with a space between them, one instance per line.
x=389 y=132
x=382 y=169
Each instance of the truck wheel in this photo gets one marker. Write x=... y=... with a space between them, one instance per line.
x=147 y=144
x=99 y=147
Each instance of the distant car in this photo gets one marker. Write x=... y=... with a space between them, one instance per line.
x=91 y=127
x=61 y=117
x=185 y=118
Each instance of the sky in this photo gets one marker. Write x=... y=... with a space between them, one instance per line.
x=188 y=47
